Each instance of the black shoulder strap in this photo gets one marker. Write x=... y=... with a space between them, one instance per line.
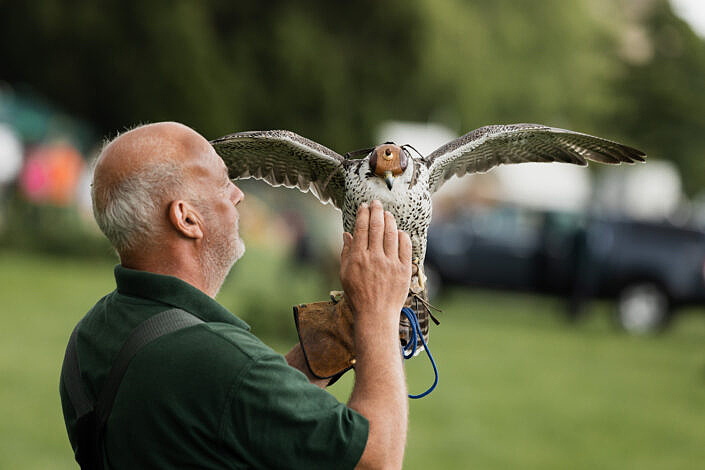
x=92 y=416
x=146 y=332
x=71 y=375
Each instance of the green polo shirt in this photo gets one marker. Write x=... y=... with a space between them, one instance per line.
x=208 y=396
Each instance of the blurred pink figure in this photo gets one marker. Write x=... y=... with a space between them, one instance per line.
x=51 y=174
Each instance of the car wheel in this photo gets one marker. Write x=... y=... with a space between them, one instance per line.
x=642 y=308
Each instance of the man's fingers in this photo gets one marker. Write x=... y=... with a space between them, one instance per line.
x=391 y=239
x=376 y=231
x=404 y=248
x=362 y=226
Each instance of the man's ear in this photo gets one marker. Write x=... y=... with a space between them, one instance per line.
x=186 y=219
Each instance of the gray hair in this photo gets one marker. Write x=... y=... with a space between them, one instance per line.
x=126 y=212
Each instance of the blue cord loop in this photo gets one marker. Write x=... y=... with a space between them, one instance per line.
x=411 y=346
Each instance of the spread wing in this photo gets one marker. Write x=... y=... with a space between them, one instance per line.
x=487 y=147
x=283 y=158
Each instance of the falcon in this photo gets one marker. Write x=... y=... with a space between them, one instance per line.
x=402 y=182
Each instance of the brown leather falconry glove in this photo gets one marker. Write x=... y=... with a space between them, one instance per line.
x=326 y=334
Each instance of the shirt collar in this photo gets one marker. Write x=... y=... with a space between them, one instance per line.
x=173 y=291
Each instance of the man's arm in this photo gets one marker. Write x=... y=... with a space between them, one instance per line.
x=375 y=273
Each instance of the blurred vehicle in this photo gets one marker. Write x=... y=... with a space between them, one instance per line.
x=649 y=268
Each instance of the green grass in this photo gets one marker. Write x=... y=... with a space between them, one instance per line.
x=519 y=388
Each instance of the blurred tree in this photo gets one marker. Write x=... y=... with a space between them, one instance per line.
x=333 y=71
x=120 y=63
x=662 y=90
x=502 y=61
x=329 y=70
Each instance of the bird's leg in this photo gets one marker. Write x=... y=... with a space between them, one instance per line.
x=417 y=270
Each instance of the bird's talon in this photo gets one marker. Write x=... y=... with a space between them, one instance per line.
x=336 y=295
x=422 y=280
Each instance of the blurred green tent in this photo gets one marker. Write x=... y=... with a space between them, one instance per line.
x=34 y=120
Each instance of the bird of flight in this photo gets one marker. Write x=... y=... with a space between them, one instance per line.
x=402 y=182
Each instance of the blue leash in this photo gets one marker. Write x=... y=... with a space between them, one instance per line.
x=416 y=329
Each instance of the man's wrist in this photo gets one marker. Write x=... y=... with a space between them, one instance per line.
x=382 y=322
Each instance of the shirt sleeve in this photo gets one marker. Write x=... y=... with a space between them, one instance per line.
x=277 y=419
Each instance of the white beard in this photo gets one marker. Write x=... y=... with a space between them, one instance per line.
x=222 y=249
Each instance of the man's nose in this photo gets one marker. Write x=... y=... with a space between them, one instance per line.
x=239 y=195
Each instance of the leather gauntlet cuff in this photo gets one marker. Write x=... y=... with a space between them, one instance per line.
x=326 y=335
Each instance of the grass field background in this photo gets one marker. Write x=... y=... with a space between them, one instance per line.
x=519 y=388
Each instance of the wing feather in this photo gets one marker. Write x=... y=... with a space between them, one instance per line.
x=283 y=158
x=490 y=146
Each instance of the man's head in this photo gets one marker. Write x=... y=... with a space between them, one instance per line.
x=163 y=198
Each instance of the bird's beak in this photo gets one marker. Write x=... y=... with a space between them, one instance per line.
x=389 y=179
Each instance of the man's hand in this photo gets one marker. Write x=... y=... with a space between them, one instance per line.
x=376 y=266
x=375 y=273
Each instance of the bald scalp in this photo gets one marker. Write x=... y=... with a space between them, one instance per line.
x=137 y=174
x=143 y=147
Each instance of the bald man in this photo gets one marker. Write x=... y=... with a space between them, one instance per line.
x=212 y=395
